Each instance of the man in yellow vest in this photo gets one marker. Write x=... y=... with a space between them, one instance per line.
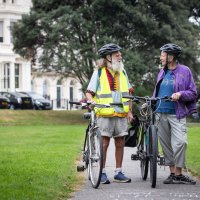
x=108 y=84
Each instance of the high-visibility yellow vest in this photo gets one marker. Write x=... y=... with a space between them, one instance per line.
x=104 y=96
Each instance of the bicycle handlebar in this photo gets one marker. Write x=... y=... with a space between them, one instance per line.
x=75 y=102
x=146 y=98
x=93 y=104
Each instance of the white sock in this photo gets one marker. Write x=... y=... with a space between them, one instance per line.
x=117 y=170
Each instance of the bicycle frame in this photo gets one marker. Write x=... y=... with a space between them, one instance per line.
x=147 y=149
x=93 y=147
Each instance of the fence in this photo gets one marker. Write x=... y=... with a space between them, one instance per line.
x=63 y=104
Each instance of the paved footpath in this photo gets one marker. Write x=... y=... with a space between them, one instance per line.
x=137 y=189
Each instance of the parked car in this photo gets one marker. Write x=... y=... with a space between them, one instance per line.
x=39 y=102
x=18 y=100
x=4 y=102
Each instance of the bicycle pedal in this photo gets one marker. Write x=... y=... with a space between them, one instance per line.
x=80 y=168
x=134 y=157
x=161 y=160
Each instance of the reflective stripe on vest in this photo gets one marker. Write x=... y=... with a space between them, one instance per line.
x=104 y=96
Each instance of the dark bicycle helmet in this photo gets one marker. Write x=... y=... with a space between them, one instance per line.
x=172 y=49
x=108 y=49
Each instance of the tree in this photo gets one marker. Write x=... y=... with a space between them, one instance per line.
x=69 y=33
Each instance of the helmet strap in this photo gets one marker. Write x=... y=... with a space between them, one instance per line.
x=165 y=66
x=171 y=63
x=110 y=61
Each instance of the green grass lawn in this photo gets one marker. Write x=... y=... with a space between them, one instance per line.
x=39 y=161
x=39 y=150
x=40 y=117
x=193 y=149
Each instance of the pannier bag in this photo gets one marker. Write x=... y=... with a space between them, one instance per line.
x=131 y=140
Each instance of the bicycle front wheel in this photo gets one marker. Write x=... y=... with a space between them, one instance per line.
x=95 y=158
x=153 y=150
x=86 y=153
x=144 y=159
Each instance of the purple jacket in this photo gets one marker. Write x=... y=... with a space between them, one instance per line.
x=184 y=84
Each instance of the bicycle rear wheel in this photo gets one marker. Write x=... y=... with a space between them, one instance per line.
x=153 y=150
x=95 y=158
x=144 y=160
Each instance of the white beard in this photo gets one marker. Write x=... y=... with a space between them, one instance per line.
x=117 y=66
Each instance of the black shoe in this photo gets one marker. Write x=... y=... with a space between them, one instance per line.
x=170 y=179
x=181 y=179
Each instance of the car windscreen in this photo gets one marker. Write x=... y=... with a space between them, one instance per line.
x=19 y=94
x=36 y=96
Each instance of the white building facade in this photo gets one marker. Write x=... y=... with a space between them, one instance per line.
x=16 y=73
x=60 y=89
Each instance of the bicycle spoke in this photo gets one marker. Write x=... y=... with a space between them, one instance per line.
x=96 y=158
x=144 y=162
x=153 y=155
x=86 y=155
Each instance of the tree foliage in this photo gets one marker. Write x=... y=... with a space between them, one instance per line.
x=68 y=33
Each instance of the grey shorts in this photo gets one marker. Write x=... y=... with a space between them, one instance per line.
x=113 y=126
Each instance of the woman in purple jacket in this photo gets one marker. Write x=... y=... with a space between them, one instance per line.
x=174 y=80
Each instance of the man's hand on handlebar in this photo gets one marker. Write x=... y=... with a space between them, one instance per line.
x=130 y=116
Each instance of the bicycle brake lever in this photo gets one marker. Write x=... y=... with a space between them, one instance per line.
x=168 y=99
x=84 y=104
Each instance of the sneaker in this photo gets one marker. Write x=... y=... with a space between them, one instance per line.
x=170 y=179
x=181 y=179
x=121 y=178
x=104 y=179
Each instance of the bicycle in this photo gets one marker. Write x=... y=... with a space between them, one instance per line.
x=93 y=147
x=147 y=147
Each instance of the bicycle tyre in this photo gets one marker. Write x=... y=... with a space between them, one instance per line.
x=144 y=160
x=86 y=153
x=153 y=150
x=95 y=158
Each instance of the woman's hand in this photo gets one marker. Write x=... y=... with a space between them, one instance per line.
x=176 y=96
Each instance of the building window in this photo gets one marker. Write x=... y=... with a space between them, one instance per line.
x=6 y=79
x=32 y=86
x=4 y=1
x=71 y=91
x=58 y=94
x=1 y=31
x=45 y=89
x=11 y=35
x=17 y=74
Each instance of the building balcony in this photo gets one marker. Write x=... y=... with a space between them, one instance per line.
x=6 y=48
x=12 y=8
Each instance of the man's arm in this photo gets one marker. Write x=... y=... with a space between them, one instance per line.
x=89 y=96
x=92 y=87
